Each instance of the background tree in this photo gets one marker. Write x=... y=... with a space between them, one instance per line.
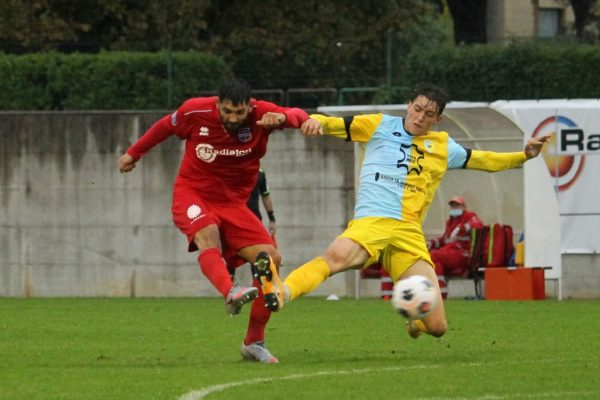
x=469 y=20
x=35 y=25
x=90 y=26
x=587 y=19
x=272 y=43
x=318 y=43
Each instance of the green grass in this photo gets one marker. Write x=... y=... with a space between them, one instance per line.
x=348 y=349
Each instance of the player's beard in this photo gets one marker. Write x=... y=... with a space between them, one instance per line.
x=232 y=127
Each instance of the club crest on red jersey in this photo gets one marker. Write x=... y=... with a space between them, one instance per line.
x=245 y=135
x=194 y=213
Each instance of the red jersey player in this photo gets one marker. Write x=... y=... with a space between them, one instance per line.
x=226 y=136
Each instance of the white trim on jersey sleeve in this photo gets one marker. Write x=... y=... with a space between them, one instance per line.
x=197 y=111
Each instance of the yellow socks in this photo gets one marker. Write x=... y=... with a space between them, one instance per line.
x=306 y=278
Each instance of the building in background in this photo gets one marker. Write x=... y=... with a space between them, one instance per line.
x=546 y=19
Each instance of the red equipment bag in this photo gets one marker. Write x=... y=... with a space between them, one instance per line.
x=491 y=246
x=500 y=245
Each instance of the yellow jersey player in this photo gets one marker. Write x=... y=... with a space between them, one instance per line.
x=404 y=163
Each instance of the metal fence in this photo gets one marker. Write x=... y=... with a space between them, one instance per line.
x=311 y=98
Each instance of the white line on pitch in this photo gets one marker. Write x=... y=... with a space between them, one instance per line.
x=200 y=394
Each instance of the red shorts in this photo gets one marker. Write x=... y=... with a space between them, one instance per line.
x=237 y=224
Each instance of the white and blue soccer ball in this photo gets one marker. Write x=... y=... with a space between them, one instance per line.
x=414 y=297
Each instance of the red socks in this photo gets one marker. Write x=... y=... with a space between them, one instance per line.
x=213 y=267
x=259 y=316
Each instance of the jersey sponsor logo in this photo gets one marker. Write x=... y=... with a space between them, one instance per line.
x=411 y=162
x=174 y=118
x=203 y=131
x=208 y=153
x=194 y=213
x=383 y=178
x=245 y=135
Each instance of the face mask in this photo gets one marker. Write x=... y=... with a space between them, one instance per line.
x=455 y=212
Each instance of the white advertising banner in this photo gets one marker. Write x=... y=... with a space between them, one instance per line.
x=562 y=189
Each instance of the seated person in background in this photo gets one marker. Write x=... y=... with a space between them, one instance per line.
x=450 y=252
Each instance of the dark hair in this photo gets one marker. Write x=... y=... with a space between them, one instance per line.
x=433 y=93
x=236 y=90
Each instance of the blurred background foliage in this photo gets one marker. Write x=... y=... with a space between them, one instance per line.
x=384 y=46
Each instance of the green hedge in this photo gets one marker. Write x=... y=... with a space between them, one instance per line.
x=130 y=80
x=106 y=81
x=533 y=70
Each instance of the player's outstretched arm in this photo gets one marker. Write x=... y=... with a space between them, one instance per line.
x=126 y=163
x=357 y=128
x=157 y=133
x=491 y=161
x=534 y=146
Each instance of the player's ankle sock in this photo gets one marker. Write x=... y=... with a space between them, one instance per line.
x=213 y=267
x=259 y=316
x=306 y=278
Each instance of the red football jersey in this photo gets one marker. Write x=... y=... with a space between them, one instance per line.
x=223 y=165
x=463 y=224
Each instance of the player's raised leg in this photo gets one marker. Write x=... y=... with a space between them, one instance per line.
x=215 y=269
x=341 y=255
x=434 y=324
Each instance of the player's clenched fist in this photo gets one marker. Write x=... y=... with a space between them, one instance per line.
x=311 y=127
x=126 y=163
x=272 y=120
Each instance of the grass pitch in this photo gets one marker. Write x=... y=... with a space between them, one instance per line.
x=347 y=349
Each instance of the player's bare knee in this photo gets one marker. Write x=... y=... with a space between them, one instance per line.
x=437 y=328
x=208 y=237
x=334 y=258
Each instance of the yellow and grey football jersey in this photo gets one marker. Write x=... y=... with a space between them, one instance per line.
x=401 y=172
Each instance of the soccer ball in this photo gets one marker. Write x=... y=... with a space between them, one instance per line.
x=414 y=297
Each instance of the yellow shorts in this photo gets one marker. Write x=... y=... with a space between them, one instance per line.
x=395 y=244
